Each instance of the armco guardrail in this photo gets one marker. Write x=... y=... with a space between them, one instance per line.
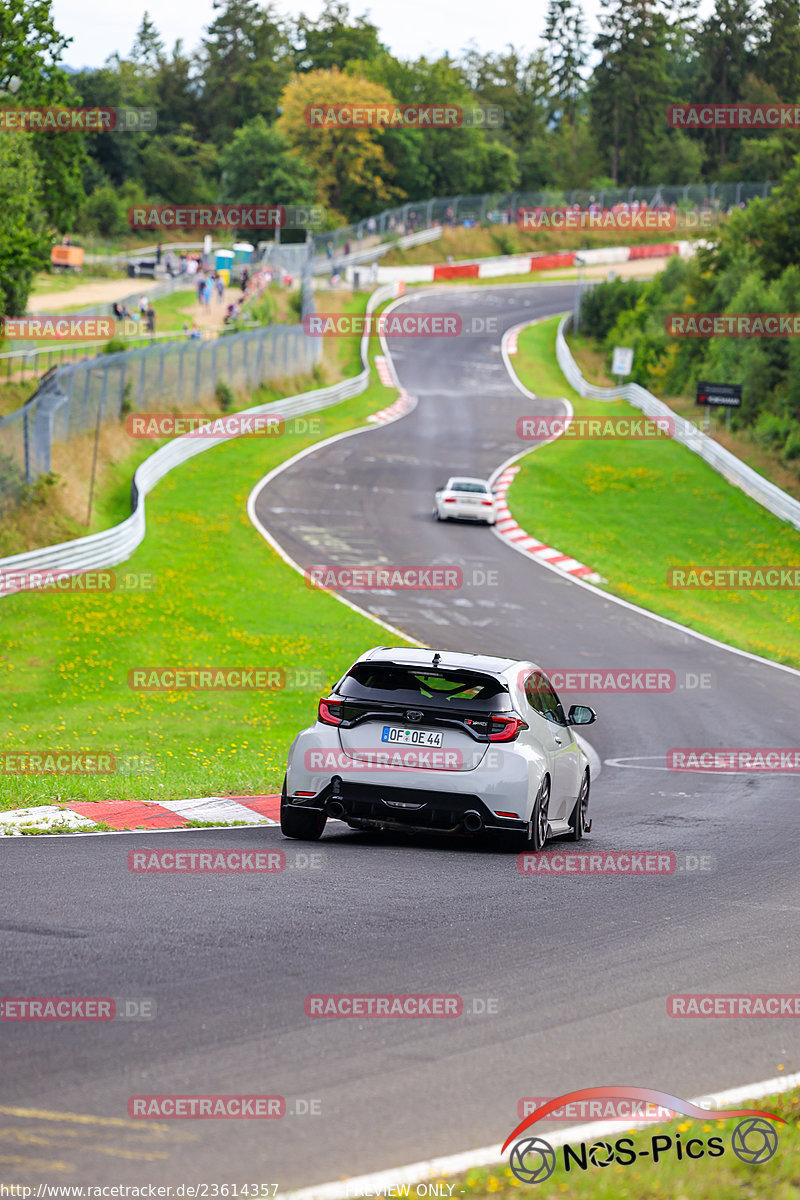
x=768 y=494
x=322 y=265
x=112 y=546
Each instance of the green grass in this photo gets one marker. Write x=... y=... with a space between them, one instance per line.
x=223 y=598
x=723 y=1177
x=632 y=509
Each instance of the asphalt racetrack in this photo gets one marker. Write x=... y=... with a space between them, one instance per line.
x=564 y=980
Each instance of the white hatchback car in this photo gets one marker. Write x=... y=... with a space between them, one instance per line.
x=428 y=740
x=465 y=498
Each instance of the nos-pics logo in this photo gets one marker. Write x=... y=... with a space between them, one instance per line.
x=533 y=1159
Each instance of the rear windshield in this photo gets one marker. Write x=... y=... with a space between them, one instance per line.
x=467 y=487
x=462 y=689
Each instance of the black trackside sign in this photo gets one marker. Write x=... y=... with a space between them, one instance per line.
x=720 y=395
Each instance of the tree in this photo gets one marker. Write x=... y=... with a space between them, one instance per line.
x=565 y=34
x=726 y=51
x=245 y=62
x=30 y=51
x=259 y=167
x=349 y=163
x=178 y=169
x=446 y=160
x=630 y=87
x=178 y=92
x=147 y=51
x=23 y=233
x=521 y=87
x=778 y=56
x=334 y=39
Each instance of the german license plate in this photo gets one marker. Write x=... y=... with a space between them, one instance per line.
x=411 y=737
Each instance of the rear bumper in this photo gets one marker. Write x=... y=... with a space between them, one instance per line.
x=404 y=808
x=466 y=512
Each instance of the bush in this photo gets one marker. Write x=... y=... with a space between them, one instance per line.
x=103 y=213
x=601 y=306
x=773 y=431
x=224 y=396
x=503 y=241
x=791 y=449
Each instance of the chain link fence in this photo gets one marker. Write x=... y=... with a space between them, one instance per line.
x=500 y=208
x=77 y=397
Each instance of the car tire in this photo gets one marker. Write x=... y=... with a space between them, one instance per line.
x=577 y=820
x=535 y=836
x=300 y=823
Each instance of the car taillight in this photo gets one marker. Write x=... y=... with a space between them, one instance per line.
x=450 y=499
x=505 y=729
x=330 y=712
x=488 y=502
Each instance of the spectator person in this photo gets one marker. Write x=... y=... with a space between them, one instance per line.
x=159 y=252
x=143 y=303
x=151 y=319
x=219 y=285
x=183 y=263
x=346 y=249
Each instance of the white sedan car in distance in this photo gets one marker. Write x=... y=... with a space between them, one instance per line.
x=467 y=499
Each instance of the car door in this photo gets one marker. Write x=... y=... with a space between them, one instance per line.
x=558 y=740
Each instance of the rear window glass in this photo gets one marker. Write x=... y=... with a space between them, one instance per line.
x=405 y=685
x=467 y=487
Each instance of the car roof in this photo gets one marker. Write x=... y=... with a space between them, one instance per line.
x=466 y=479
x=448 y=659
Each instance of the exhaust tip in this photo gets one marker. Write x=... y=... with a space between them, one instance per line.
x=335 y=809
x=473 y=821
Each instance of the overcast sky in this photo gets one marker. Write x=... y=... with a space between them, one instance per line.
x=410 y=29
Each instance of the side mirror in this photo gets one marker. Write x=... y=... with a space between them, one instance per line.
x=581 y=714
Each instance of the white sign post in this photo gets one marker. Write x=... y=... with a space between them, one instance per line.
x=622 y=363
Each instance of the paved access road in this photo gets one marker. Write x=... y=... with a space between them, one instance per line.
x=575 y=970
